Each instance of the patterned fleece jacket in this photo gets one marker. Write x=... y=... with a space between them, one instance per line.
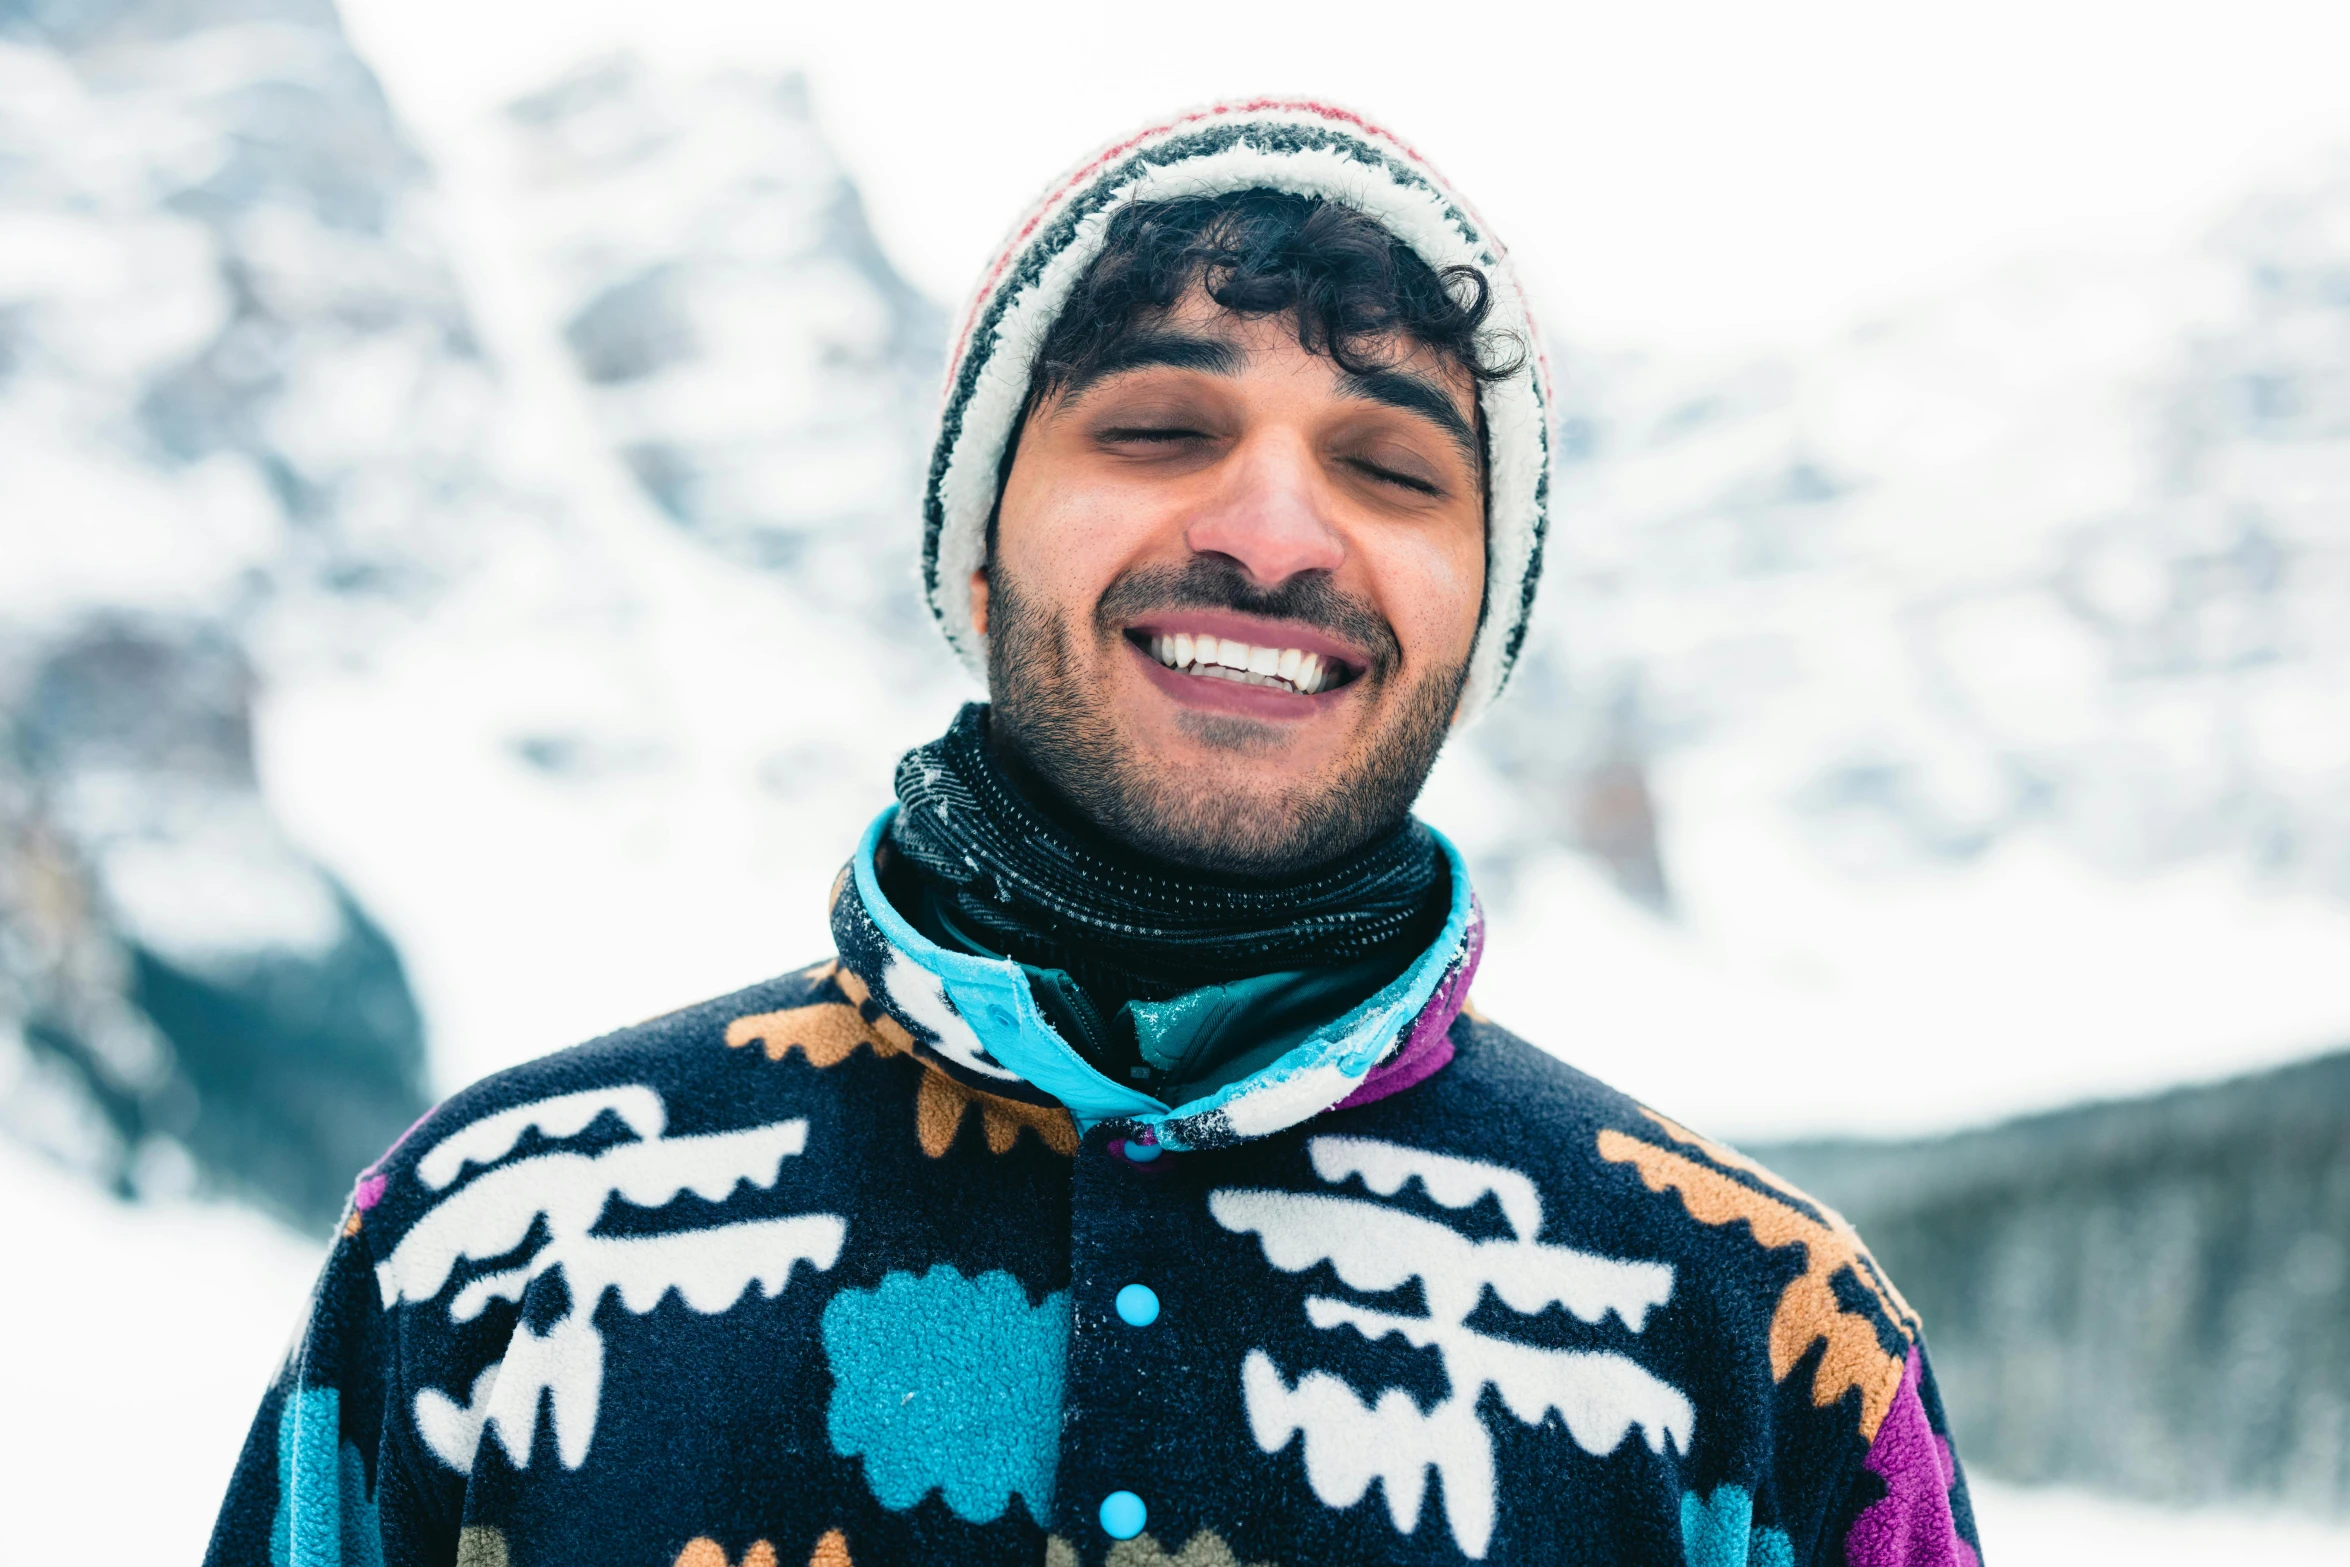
x=864 y=1264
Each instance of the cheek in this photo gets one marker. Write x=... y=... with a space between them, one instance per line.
x=1068 y=537
x=1434 y=584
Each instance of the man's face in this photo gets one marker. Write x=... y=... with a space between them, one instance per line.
x=1219 y=497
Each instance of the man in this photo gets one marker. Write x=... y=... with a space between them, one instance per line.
x=1135 y=1185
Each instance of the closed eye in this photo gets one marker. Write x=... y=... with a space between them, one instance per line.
x=1153 y=433
x=1384 y=475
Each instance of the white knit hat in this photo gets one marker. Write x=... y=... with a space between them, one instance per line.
x=1301 y=147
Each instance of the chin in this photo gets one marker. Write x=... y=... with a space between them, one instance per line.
x=1260 y=742
x=1171 y=766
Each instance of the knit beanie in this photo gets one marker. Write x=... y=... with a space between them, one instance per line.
x=1298 y=147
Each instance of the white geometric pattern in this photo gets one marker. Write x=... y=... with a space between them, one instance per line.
x=709 y=1267
x=1349 y=1442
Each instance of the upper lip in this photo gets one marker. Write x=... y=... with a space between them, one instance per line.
x=1256 y=632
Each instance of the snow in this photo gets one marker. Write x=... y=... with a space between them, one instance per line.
x=1686 y=173
x=212 y=882
x=1786 y=1001
x=1985 y=665
x=613 y=777
x=1916 y=809
x=139 y=1340
x=2030 y=1526
x=1984 y=662
x=615 y=772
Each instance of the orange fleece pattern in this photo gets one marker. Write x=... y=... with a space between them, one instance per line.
x=1808 y=1311
x=831 y=1551
x=829 y=1032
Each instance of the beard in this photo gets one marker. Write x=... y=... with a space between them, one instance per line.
x=1051 y=719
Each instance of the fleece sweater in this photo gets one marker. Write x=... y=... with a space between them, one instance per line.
x=866 y=1265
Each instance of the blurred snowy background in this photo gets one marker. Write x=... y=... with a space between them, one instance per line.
x=457 y=499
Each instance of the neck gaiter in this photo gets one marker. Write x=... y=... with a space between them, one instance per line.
x=1037 y=884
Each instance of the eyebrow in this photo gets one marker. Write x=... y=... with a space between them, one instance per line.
x=1417 y=395
x=1398 y=389
x=1155 y=350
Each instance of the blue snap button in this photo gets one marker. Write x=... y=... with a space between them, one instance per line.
x=1140 y=1153
x=1123 y=1515
x=1138 y=1305
x=1002 y=1016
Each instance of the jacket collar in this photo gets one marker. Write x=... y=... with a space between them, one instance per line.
x=976 y=1018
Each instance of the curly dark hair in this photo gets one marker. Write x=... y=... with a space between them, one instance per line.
x=1352 y=286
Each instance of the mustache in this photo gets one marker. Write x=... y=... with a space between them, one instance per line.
x=1218 y=582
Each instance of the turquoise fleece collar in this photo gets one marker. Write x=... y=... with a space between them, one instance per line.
x=991 y=1026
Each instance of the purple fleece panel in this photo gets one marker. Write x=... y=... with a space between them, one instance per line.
x=1910 y=1526
x=370 y=1189
x=1427 y=1049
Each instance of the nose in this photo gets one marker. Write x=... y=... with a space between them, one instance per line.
x=1273 y=517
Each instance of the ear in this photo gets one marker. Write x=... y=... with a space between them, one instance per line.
x=979 y=600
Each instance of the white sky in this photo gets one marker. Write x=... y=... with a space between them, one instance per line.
x=1695 y=176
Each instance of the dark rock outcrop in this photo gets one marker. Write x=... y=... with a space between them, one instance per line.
x=194 y=997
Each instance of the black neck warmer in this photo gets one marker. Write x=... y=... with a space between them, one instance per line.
x=1049 y=889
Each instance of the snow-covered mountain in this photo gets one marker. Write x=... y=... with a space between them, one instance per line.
x=1984 y=673
x=497 y=580
x=566 y=512
x=631 y=749
x=184 y=996
x=235 y=356
x=239 y=403
x=2063 y=555
x=746 y=349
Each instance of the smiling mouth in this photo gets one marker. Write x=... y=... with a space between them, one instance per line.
x=1245 y=663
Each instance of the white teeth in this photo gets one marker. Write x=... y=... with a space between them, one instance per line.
x=1290 y=669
